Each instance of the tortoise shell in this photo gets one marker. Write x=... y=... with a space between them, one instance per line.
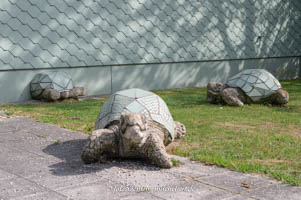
x=256 y=83
x=135 y=101
x=58 y=80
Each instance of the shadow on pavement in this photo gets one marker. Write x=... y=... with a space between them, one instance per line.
x=68 y=152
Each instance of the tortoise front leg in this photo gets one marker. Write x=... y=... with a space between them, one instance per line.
x=233 y=96
x=154 y=150
x=279 y=97
x=100 y=143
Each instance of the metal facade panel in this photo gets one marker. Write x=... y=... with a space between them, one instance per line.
x=67 y=33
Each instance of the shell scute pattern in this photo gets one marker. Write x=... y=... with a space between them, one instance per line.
x=135 y=101
x=256 y=83
x=58 y=80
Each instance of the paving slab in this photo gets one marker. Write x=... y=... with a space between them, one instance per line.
x=276 y=191
x=42 y=196
x=17 y=187
x=194 y=169
x=101 y=190
x=34 y=166
x=236 y=182
x=183 y=189
x=238 y=197
x=5 y=175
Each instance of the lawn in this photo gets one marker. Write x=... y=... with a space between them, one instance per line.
x=256 y=139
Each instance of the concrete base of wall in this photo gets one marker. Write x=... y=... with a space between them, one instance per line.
x=14 y=85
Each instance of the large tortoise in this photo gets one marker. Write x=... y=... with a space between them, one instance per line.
x=133 y=123
x=53 y=86
x=248 y=86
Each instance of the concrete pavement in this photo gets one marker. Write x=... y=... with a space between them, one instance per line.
x=42 y=161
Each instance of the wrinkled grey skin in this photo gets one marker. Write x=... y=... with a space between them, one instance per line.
x=221 y=93
x=54 y=95
x=214 y=91
x=134 y=136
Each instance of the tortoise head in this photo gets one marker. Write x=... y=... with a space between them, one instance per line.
x=214 y=91
x=281 y=96
x=133 y=127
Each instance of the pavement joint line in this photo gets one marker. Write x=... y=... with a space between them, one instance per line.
x=200 y=176
x=27 y=179
x=244 y=193
x=151 y=194
x=183 y=176
x=242 y=196
x=221 y=188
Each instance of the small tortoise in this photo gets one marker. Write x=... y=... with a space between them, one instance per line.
x=248 y=86
x=53 y=86
x=133 y=123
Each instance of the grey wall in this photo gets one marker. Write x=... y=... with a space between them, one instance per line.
x=14 y=85
x=150 y=44
x=197 y=74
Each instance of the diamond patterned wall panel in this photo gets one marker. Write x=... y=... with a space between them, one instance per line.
x=68 y=33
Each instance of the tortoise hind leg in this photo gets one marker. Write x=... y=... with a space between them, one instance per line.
x=100 y=143
x=180 y=130
x=155 y=151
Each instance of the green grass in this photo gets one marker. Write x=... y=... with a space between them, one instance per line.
x=176 y=163
x=56 y=142
x=255 y=139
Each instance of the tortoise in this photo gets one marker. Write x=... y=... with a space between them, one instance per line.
x=248 y=86
x=53 y=86
x=133 y=123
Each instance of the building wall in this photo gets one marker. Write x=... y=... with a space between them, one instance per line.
x=14 y=85
x=113 y=44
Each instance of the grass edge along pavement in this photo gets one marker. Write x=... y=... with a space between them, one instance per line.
x=254 y=138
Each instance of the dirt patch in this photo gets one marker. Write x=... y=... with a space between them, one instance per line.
x=235 y=125
x=200 y=121
x=294 y=131
x=185 y=147
x=271 y=125
x=172 y=146
x=272 y=161
x=291 y=130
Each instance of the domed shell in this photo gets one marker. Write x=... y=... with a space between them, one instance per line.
x=256 y=83
x=135 y=101
x=58 y=80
